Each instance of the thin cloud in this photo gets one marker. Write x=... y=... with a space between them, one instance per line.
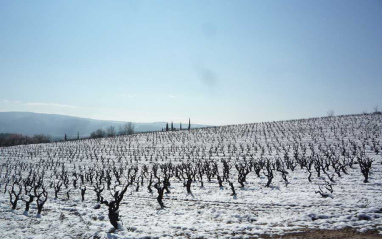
x=172 y=96
x=126 y=95
x=208 y=77
x=50 y=104
x=11 y=101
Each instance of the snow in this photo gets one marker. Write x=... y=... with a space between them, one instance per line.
x=211 y=211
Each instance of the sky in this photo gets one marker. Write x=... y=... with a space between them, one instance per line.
x=216 y=62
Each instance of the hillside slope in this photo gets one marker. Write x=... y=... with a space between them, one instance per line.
x=240 y=181
x=29 y=123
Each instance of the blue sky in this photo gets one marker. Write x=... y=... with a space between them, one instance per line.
x=217 y=62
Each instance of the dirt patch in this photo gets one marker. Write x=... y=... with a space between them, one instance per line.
x=346 y=233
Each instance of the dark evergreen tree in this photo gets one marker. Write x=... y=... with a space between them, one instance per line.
x=166 y=126
x=172 y=126
x=180 y=126
x=189 y=124
x=65 y=137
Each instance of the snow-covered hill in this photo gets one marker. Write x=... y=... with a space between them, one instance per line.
x=233 y=181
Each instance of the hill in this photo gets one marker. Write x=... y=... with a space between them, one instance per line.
x=28 y=123
x=284 y=179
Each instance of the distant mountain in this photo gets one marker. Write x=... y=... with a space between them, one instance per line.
x=28 y=123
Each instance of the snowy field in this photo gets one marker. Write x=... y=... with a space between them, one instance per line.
x=317 y=182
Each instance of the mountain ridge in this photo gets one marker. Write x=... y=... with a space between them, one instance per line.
x=56 y=125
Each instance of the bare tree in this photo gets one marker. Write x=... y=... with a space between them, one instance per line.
x=365 y=165
x=99 y=133
x=83 y=191
x=376 y=109
x=14 y=196
x=110 y=131
x=232 y=188
x=115 y=202
x=127 y=129
x=160 y=188
x=41 y=199
x=270 y=168
x=130 y=128
x=330 y=113
x=329 y=189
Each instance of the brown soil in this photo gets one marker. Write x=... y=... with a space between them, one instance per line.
x=346 y=233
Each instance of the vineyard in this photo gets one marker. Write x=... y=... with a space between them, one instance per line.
x=246 y=180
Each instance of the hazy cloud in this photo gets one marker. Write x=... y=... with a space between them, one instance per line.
x=11 y=101
x=50 y=104
x=207 y=76
x=127 y=95
x=40 y=104
x=172 y=96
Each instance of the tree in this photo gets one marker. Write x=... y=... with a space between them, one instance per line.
x=65 y=137
x=78 y=135
x=160 y=190
x=130 y=128
x=330 y=113
x=110 y=131
x=376 y=110
x=189 y=124
x=99 y=133
x=172 y=126
x=41 y=138
x=166 y=126
x=17 y=139
x=127 y=129
x=41 y=199
x=114 y=204
x=365 y=165
x=180 y=126
x=14 y=196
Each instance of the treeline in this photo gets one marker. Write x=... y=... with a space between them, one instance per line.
x=126 y=129
x=10 y=139
x=174 y=128
x=7 y=139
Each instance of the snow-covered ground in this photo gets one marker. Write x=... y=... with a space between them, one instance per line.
x=210 y=211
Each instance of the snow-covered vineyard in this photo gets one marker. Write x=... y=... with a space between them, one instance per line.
x=233 y=181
